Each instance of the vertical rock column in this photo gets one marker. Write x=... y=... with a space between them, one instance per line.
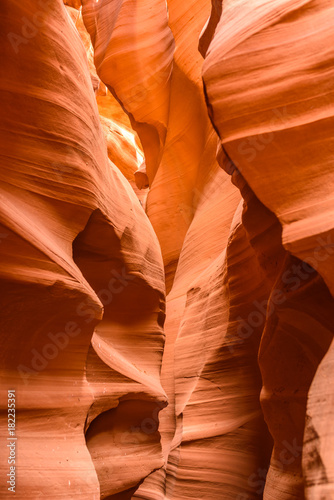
x=76 y=249
x=268 y=74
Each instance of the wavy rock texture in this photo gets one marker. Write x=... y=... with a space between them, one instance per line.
x=219 y=125
x=74 y=259
x=298 y=316
x=277 y=133
x=133 y=57
x=122 y=141
x=196 y=260
x=263 y=128
x=217 y=401
x=189 y=153
x=135 y=60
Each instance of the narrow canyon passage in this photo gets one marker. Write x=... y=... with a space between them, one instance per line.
x=167 y=249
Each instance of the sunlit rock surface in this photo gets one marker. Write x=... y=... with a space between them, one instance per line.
x=167 y=249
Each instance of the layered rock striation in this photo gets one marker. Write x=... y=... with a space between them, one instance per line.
x=167 y=254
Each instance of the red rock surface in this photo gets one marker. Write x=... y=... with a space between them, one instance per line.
x=167 y=249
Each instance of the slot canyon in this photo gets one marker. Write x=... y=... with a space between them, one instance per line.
x=167 y=249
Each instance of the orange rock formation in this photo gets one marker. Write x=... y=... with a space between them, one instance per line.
x=167 y=249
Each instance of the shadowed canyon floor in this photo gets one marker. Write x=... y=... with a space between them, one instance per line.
x=167 y=249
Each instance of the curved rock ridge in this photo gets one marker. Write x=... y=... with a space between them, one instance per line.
x=122 y=141
x=297 y=318
x=80 y=261
x=274 y=123
x=167 y=249
x=189 y=152
x=138 y=64
x=133 y=52
x=215 y=207
x=217 y=394
x=265 y=127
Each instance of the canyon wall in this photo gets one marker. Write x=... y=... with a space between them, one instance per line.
x=167 y=249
